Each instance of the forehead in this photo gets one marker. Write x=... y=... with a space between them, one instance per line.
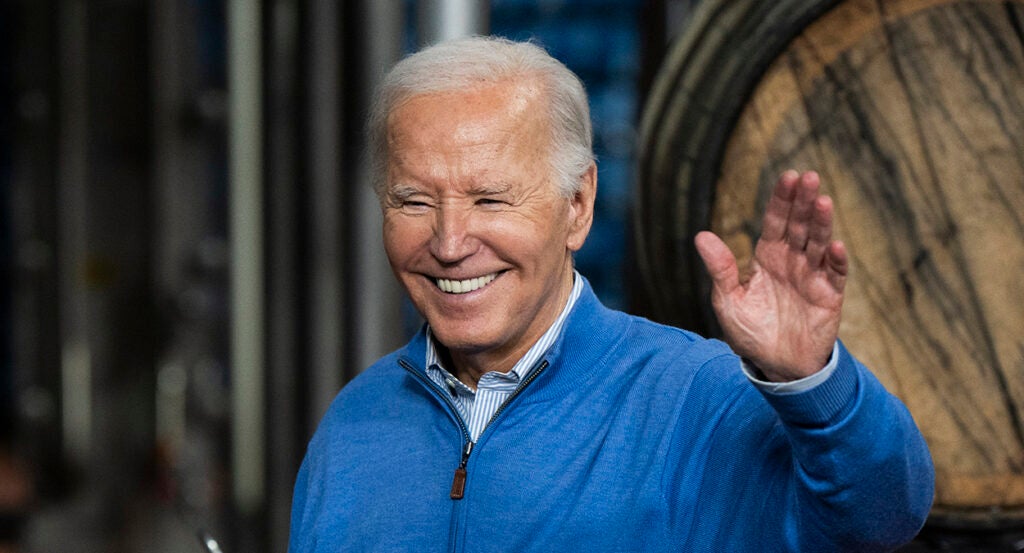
x=505 y=109
x=470 y=139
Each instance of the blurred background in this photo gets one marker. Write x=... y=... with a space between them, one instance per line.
x=190 y=254
x=190 y=248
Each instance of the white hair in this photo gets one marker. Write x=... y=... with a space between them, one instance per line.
x=465 y=62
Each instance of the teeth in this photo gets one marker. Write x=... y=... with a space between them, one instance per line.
x=463 y=286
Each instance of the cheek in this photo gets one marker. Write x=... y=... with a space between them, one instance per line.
x=400 y=240
x=536 y=244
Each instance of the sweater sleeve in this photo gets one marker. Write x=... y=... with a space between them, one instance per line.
x=862 y=474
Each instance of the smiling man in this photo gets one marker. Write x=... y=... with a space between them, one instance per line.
x=525 y=416
x=475 y=229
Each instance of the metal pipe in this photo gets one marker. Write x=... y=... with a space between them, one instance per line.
x=284 y=283
x=376 y=320
x=324 y=147
x=76 y=347
x=245 y=181
x=445 y=19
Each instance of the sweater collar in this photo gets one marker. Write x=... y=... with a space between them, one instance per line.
x=591 y=333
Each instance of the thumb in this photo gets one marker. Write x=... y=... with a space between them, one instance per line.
x=719 y=261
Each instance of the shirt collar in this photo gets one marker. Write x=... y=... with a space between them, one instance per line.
x=528 y=361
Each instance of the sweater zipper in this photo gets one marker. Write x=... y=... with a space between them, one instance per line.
x=533 y=376
x=458 y=490
x=467 y=442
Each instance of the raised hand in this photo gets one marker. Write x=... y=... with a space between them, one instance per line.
x=784 y=315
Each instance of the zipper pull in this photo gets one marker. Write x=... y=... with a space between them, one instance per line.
x=459 y=481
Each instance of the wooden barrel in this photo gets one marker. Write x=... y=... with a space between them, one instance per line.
x=912 y=111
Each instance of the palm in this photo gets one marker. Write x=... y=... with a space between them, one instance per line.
x=785 y=316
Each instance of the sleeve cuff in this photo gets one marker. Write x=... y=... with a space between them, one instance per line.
x=795 y=386
x=823 y=403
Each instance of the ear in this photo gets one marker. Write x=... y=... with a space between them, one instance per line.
x=581 y=209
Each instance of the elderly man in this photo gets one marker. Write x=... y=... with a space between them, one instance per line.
x=525 y=416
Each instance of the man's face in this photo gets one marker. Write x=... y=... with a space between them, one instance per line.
x=473 y=225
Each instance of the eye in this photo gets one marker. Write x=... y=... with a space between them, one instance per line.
x=408 y=198
x=408 y=205
x=414 y=206
x=490 y=202
x=412 y=203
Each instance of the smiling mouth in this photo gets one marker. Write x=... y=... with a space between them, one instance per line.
x=463 y=286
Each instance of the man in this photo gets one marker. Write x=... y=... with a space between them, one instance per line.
x=526 y=416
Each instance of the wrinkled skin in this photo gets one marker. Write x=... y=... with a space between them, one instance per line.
x=470 y=197
x=784 y=315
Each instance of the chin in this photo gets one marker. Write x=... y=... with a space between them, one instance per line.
x=460 y=338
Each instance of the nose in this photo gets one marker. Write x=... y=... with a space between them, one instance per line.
x=453 y=238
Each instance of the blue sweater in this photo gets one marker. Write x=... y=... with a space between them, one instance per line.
x=633 y=437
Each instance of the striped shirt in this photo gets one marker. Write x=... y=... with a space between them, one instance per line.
x=476 y=407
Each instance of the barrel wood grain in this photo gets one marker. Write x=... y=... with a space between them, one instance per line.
x=913 y=113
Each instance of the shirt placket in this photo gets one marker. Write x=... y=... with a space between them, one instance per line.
x=491 y=391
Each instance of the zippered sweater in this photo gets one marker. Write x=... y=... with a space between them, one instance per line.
x=633 y=436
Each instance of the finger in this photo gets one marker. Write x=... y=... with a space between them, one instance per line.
x=777 y=212
x=719 y=261
x=837 y=265
x=819 y=232
x=802 y=211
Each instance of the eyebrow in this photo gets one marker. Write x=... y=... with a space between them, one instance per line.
x=497 y=187
x=403 y=191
